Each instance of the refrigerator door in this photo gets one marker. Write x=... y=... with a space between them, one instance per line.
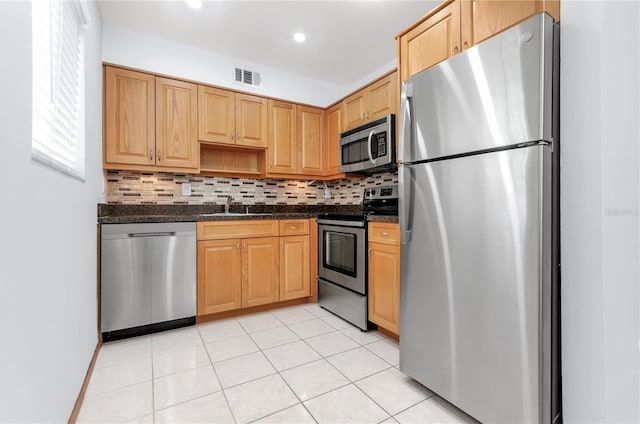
x=475 y=295
x=492 y=95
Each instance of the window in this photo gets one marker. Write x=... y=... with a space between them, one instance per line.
x=57 y=138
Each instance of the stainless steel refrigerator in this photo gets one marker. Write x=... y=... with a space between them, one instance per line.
x=478 y=212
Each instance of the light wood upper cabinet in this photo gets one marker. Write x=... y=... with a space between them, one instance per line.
x=482 y=19
x=176 y=124
x=260 y=271
x=456 y=25
x=295 y=139
x=384 y=275
x=219 y=276
x=432 y=41
x=228 y=117
x=150 y=122
x=295 y=281
x=310 y=126
x=130 y=126
x=282 y=136
x=377 y=99
x=332 y=140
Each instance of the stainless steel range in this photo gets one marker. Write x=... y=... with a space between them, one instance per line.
x=342 y=256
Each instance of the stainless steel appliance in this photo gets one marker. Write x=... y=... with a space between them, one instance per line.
x=148 y=279
x=342 y=256
x=479 y=227
x=370 y=147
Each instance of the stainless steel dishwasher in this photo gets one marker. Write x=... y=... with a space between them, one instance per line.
x=148 y=278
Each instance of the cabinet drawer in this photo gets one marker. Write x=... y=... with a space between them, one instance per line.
x=384 y=232
x=220 y=230
x=294 y=227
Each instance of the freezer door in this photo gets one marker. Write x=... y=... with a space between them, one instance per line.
x=475 y=299
x=495 y=94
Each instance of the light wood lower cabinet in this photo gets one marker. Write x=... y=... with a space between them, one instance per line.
x=260 y=271
x=295 y=279
x=384 y=276
x=219 y=276
x=242 y=264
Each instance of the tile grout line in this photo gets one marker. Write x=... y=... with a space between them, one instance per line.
x=216 y=373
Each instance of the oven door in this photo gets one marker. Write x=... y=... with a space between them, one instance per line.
x=341 y=255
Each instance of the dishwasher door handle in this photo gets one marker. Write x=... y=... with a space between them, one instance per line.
x=161 y=234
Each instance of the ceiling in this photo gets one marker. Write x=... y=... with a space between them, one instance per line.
x=346 y=40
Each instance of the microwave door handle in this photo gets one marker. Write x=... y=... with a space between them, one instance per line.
x=369 y=148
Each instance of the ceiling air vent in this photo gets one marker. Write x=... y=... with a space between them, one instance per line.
x=247 y=77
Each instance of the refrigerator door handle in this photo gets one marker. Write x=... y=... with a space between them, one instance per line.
x=371 y=134
x=407 y=199
x=405 y=121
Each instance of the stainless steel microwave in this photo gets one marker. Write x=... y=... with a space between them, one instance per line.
x=369 y=148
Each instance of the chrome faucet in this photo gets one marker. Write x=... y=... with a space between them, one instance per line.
x=227 y=205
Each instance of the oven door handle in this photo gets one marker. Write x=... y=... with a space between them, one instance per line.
x=355 y=224
x=371 y=159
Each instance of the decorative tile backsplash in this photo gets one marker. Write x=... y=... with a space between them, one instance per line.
x=149 y=188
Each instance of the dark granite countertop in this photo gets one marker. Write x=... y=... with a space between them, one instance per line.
x=127 y=214
x=383 y=218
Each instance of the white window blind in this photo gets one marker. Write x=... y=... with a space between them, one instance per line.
x=58 y=85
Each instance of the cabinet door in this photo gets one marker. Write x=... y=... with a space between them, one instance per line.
x=383 y=97
x=332 y=140
x=177 y=124
x=432 y=41
x=310 y=125
x=129 y=117
x=482 y=19
x=282 y=134
x=260 y=271
x=216 y=115
x=219 y=276
x=354 y=108
x=251 y=120
x=384 y=286
x=295 y=280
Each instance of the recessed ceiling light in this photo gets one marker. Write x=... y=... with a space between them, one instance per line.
x=299 y=37
x=195 y=4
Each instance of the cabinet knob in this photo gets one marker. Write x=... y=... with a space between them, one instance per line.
x=367 y=116
x=281 y=245
x=237 y=247
x=244 y=247
x=465 y=45
x=232 y=135
x=456 y=49
x=159 y=155
x=150 y=154
x=271 y=164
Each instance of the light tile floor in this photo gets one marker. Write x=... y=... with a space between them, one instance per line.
x=299 y=364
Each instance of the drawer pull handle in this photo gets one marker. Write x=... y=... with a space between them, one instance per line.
x=244 y=246
x=281 y=245
x=294 y=227
x=384 y=234
x=237 y=247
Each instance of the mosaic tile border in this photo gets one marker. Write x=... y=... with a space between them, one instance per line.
x=149 y=188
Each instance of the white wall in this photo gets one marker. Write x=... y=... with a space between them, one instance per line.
x=137 y=50
x=48 y=313
x=600 y=49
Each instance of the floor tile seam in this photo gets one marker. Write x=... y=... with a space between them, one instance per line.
x=302 y=320
x=415 y=404
x=292 y=391
x=278 y=345
x=373 y=400
x=90 y=396
x=327 y=392
x=134 y=358
x=237 y=357
x=361 y=344
x=217 y=378
x=252 y=380
x=182 y=402
x=180 y=372
x=384 y=409
x=393 y=365
x=284 y=409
